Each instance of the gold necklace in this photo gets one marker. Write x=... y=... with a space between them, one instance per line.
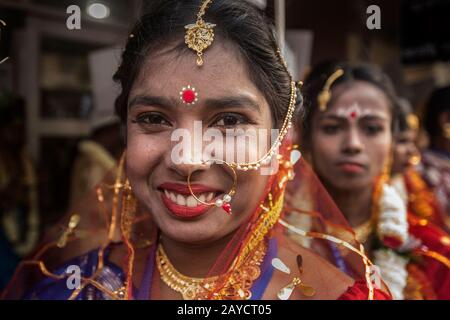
x=238 y=281
x=188 y=287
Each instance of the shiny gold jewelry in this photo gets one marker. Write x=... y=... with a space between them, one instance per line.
x=287 y=124
x=73 y=223
x=200 y=35
x=238 y=280
x=413 y=121
x=223 y=203
x=188 y=287
x=325 y=95
x=243 y=271
x=415 y=159
x=280 y=56
x=267 y=219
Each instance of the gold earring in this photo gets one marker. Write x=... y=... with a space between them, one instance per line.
x=415 y=159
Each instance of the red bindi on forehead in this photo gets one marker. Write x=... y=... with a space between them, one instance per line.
x=188 y=95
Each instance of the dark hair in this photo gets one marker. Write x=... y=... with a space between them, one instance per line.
x=237 y=21
x=12 y=108
x=438 y=103
x=316 y=79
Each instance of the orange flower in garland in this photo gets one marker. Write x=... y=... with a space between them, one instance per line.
x=421 y=200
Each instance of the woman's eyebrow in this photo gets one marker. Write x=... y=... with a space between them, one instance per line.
x=147 y=100
x=232 y=102
x=331 y=116
x=373 y=115
x=241 y=101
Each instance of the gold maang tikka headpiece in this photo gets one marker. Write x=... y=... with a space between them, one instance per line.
x=200 y=35
x=325 y=95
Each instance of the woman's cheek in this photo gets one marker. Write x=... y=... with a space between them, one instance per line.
x=321 y=156
x=326 y=146
x=143 y=152
x=380 y=151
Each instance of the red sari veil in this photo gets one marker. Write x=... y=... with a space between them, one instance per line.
x=295 y=209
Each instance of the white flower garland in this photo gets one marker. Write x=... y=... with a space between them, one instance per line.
x=392 y=219
x=393 y=270
x=393 y=223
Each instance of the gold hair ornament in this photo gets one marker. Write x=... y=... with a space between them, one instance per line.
x=325 y=95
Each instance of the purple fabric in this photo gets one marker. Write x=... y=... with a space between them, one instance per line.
x=144 y=289
x=113 y=278
x=260 y=286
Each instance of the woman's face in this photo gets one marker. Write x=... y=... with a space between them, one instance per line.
x=405 y=148
x=227 y=99
x=351 y=140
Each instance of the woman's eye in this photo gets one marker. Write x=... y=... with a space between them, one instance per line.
x=330 y=128
x=230 y=120
x=373 y=129
x=154 y=119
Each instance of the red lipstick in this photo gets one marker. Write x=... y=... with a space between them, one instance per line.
x=185 y=211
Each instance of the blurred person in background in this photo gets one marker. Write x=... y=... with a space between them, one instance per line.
x=19 y=225
x=419 y=198
x=435 y=164
x=97 y=154
x=348 y=134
